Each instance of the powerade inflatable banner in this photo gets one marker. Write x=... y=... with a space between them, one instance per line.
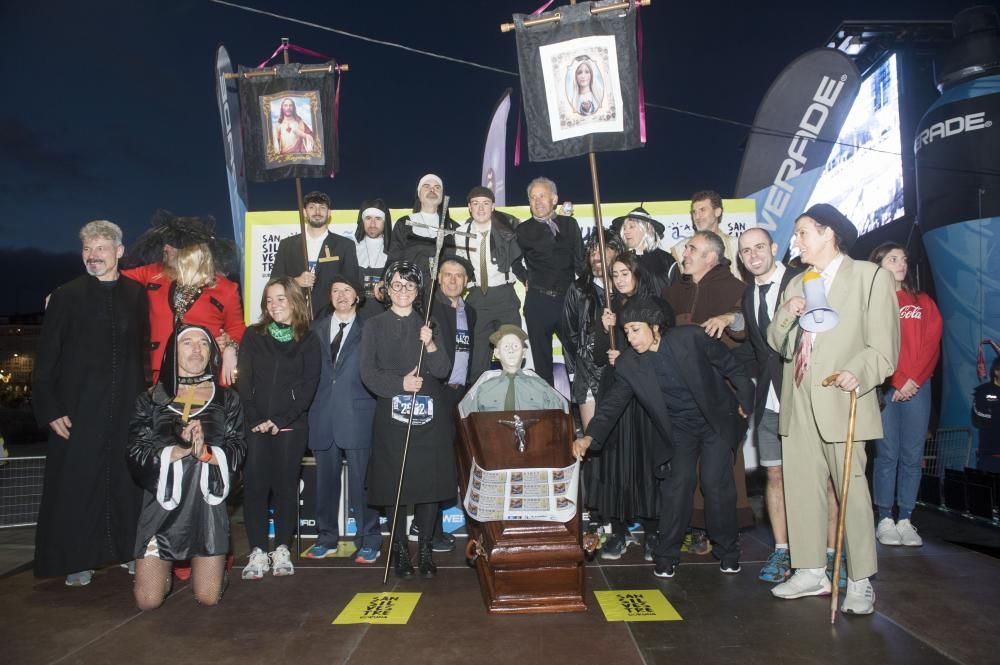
x=794 y=132
x=957 y=154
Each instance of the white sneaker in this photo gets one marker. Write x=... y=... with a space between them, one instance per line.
x=908 y=534
x=257 y=565
x=887 y=533
x=81 y=578
x=281 y=562
x=860 y=597
x=805 y=582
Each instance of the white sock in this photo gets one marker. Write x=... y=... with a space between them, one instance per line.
x=781 y=546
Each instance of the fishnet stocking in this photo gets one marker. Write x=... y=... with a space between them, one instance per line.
x=152 y=579
x=208 y=573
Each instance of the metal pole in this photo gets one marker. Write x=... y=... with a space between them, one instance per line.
x=599 y=223
x=413 y=396
x=302 y=214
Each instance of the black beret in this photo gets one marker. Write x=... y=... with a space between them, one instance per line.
x=827 y=215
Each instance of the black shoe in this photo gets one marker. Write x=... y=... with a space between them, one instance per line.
x=666 y=569
x=426 y=561
x=403 y=563
x=648 y=546
x=730 y=567
x=613 y=547
x=414 y=532
x=446 y=543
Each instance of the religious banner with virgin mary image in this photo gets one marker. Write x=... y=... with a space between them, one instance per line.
x=289 y=122
x=579 y=81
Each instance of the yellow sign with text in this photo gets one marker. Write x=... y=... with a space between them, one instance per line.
x=386 y=608
x=641 y=605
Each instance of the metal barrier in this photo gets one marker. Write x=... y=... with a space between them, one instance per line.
x=20 y=490
x=949 y=448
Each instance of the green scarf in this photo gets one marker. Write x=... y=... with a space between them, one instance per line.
x=280 y=332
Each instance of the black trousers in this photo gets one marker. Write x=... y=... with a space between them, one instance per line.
x=543 y=315
x=424 y=516
x=274 y=464
x=677 y=494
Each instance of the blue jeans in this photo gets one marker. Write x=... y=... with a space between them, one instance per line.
x=899 y=455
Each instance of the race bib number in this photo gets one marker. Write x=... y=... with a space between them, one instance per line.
x=423 y=409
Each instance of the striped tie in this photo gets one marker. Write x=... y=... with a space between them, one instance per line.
x=802 y=355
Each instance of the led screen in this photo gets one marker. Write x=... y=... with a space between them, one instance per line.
x=863 y=178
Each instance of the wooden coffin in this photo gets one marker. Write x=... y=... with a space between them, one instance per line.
x=524 y=567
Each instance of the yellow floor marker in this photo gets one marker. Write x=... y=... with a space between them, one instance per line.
x=636 y=605
x=385 y=607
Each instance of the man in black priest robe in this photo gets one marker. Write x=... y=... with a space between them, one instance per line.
x=88 y=374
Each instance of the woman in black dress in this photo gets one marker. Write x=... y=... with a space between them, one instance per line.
x=278 y=374
x=628 y=490
x=186 y=449
x=390 y=351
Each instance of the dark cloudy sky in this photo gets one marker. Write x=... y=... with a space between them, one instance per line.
x=110 y=109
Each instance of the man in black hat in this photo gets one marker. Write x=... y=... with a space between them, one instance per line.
x=492 y=252
x=859 y=353
x=329 y=254
x=340 y=425
x=641 y=235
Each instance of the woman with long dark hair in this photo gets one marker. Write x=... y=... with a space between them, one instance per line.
x=390 y=352
x=278 y=374
x=628 y=490
x=898 y=456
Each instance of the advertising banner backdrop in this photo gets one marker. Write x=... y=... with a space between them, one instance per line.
x=289 y=122
x=264 y=230
x=495 y=152
x=794 y=132
x=232 y=141
x=957 y=155
x=579 y=82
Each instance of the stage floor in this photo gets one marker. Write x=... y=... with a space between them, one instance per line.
x=935 y=604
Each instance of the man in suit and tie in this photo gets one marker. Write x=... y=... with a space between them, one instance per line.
x=682 y=377
x=340 y=426
x=329 y=254
x=860 y=352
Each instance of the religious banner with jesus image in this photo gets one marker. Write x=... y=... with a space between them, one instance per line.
x=289 y=123
x=579 y=82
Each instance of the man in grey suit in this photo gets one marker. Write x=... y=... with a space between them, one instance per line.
x=340 y=426
x=860 y=352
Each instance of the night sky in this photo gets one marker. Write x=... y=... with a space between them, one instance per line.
x=111 y=109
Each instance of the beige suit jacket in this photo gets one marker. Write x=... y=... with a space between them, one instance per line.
x=865 y=343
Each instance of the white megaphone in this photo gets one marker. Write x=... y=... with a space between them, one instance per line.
x=819 y=316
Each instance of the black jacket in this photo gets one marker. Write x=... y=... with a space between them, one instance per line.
x=277 y=381
x=585 y=348
x=446 y=317
x=708 y=369
x=762 y=362
x=405 y=245
x=549 y=262
x=337 y=256
x=504 y=249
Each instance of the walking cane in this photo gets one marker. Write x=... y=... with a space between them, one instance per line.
x=413 y=396
x=844 y=486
